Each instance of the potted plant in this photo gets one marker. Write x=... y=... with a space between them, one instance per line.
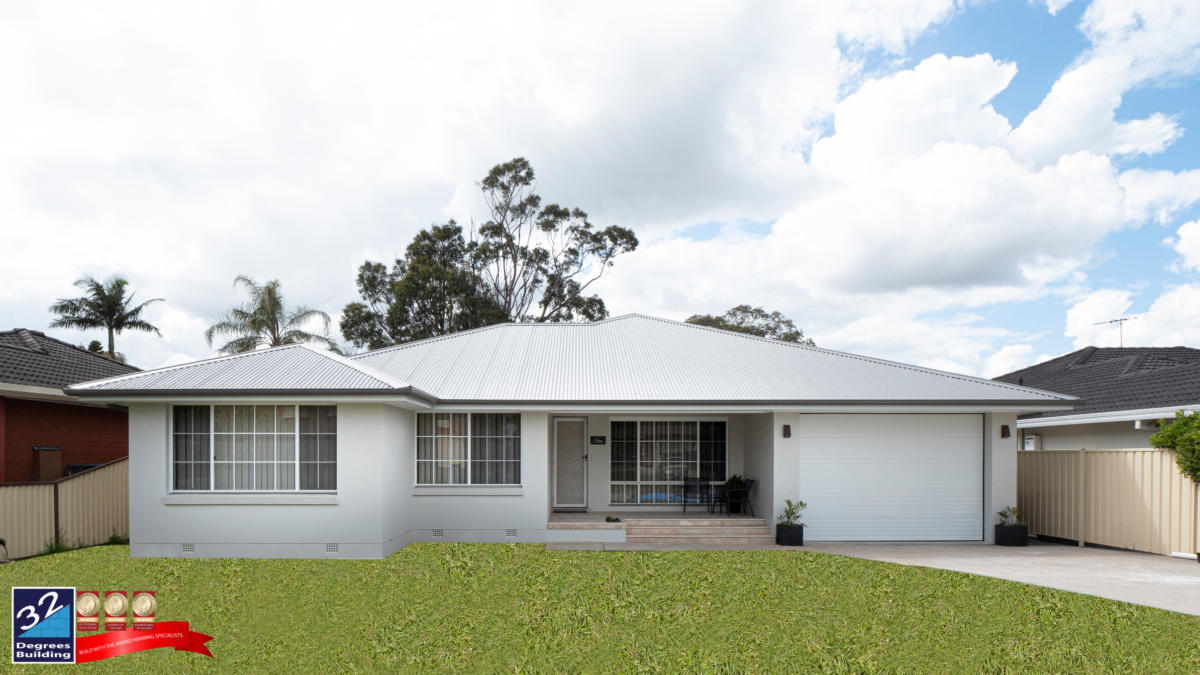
x=735 y=482
x=790 y=531
x=1012 y=530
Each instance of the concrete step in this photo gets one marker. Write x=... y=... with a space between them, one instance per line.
x=721 y=541
x=695 y=522
x=639 y=531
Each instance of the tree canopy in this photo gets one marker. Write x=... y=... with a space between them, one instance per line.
x=265 y=321
x=1182 y=435
x=538 y=261
x=526 y=262
x=754 y=321
x=433 y=290
x=104 y=304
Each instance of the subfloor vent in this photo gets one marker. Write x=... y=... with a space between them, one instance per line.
x=332 y=548
x=439 y=533
x=187 y=548
x=510 y=533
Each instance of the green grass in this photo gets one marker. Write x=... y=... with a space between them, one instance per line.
x=509 y=607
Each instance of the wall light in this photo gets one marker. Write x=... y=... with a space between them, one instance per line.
x=1004 y=432
x=787 y=431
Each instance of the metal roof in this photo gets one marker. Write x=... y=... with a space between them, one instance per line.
x=627 y=359
x=287 y=368
x=635 y=358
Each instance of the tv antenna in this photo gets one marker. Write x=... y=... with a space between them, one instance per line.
x=1120 y=325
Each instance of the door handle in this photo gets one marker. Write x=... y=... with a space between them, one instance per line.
x=585 y=458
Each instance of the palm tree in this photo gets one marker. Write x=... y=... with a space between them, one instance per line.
x=103 y=305
x=265 y=321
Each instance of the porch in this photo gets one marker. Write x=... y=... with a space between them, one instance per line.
x=660 y=530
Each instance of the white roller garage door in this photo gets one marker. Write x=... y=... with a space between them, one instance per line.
x=891 y=477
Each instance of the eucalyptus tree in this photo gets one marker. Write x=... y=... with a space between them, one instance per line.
x=526 y=262
x=754 y=321
x=104 y=304
x=266 y=321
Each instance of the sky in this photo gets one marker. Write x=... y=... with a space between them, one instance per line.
x=965 y=185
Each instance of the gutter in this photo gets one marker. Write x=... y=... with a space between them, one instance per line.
x=1108 y=416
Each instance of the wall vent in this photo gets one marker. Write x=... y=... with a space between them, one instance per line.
x=187 y=548
x=510 y=533
x=332 y=548
x=439 y=533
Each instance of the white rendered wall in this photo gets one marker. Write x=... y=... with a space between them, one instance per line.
x=1101 y=436
x=999 y=470
x=396 y=474
x=759 y=463
x=353 y=521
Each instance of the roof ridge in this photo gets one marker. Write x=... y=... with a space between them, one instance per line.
x=180 y=366
x=435 y=338
x=859 y=357
x=359 y=367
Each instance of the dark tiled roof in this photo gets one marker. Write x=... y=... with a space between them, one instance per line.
x=1109 y=379
x=30 y=358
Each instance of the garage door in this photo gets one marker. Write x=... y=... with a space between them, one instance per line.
x=891 y=477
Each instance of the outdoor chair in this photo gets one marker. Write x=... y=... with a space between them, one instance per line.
x=741 y=496
x=694 y=488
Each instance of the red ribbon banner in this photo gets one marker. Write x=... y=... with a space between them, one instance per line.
x=175 y=634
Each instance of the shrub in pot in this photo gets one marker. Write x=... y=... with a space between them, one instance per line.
x=735 y=482
x=1012 y=530
x=789 y=531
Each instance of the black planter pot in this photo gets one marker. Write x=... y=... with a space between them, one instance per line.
x=735 y=507
x=789 y=535
x=1012 y=535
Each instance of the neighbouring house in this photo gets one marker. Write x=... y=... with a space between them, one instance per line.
x=1122 y=392
x=483 y=435
x=45 y=433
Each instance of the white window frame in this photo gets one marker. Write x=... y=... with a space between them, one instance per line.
x=638 y=460
x=212 y=450
x=470 y=449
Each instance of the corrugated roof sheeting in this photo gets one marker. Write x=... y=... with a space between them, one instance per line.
x=290 y=367
x=639 y=358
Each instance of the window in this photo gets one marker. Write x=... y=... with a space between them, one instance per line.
x=191 y=446
x=468 y=449
x=651 y=458
x=254 y=448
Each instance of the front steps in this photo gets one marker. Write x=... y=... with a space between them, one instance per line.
x=711 y=531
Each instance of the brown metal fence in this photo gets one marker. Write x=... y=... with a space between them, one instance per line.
x=1135 y=499
x=83 y=509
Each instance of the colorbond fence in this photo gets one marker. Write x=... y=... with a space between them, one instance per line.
x=1134 y=499
x=84 y=509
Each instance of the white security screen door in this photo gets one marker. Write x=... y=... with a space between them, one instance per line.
x=570 y=461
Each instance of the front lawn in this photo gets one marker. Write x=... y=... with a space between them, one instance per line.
x=510 y=607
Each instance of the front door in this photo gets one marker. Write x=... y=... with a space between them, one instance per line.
x=570 y=461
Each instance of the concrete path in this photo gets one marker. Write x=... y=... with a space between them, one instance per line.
x=1139 y=578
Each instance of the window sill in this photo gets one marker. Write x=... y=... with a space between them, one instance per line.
x=468 y=490
x=249 y=498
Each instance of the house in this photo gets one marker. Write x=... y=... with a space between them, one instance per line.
x=483 y=435
x=45 y=433
x=1122 y=392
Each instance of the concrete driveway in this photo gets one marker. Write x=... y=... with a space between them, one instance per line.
x=1139 y=578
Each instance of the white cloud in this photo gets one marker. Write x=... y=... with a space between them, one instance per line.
x=1012 y=357
x=1056 y=6
x=1173 y=319
x=1187 y=245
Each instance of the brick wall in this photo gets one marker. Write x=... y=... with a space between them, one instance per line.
x=87 y=435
